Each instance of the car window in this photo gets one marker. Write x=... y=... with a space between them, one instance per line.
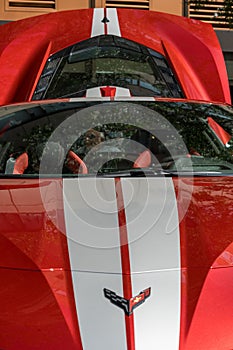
x=107 y=138
x=107 y=60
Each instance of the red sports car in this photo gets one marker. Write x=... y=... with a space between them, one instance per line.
x=116 y=192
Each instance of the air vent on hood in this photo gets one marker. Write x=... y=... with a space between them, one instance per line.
x=142 y=4
x=39 y=4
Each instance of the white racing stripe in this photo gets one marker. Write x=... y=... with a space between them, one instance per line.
x=101 y=324
x=121 y=97
x=113 y=26
x=154 y=260
x=157 y=321
x=92 y=226
x=134 y=98
x=97 y=24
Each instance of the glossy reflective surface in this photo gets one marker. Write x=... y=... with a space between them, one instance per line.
x=89 y=138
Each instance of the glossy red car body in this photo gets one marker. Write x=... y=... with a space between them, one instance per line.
x=38 y=309
x=190 y=46
x=51 y=294
x=172 y=262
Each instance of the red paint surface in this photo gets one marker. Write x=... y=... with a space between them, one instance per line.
x=27 y=44
x=37 y=303
x=190 y=46
x=207 y=262
x=125 y=262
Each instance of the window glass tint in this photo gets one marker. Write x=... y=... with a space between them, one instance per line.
x=86 y=139
x=106 y=60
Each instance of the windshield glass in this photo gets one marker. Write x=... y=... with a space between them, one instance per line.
x=107 y=60
x=107 y=138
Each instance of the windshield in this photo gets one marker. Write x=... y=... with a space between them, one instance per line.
x=108 y=138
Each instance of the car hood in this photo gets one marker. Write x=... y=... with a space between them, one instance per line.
x=120 y=261
x=89 y=223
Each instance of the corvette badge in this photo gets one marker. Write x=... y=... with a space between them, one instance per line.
x=128 y=305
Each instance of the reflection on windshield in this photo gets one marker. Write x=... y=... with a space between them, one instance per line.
x=112 y=138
